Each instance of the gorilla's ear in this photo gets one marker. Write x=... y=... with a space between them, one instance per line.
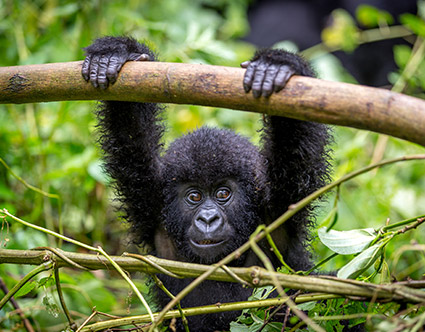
x=164 y=245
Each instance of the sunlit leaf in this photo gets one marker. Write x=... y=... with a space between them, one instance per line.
x=347 y=242
x=342 y=32
x=401 y=55
x=371 y=17
x=360 y=263
x=414 y=23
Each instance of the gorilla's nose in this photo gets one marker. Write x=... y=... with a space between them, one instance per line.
x=208 y=220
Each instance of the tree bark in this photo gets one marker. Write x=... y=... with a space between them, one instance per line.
x=304 y=98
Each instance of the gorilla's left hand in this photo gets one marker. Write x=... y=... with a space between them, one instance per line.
x=264 y=77
x=101 y=67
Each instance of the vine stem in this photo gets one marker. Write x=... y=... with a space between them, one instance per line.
x=88 y=247
x=43 y=267
x=215 y=308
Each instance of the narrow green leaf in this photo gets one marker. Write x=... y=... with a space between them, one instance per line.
x=360 y=263
x=26 y=288
x=347 y=242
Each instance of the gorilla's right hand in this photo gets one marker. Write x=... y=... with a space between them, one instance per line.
x=105 y=58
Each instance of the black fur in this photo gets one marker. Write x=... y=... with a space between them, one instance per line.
x=292 y=163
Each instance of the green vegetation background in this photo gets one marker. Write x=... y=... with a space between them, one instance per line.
x=53 y=145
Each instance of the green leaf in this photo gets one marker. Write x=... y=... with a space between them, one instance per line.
x=273 y=327
x=25 y=289
x=342 y=33
x=402 y=55
x=237 y=327
x=347 y=242
x=371 y=17
x=360 y=263
x=414 y=23
x=307 y=306
x=46 y=281
x=331 y=219
x=261 y=293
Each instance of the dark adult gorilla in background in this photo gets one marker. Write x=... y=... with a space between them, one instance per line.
x=203 y=197
x=302 y=21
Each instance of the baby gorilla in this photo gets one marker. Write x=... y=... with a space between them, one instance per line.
x=203 y=197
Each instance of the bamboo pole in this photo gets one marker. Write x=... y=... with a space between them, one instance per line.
x=304 y=98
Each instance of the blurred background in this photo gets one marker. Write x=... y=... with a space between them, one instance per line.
x=52 y=146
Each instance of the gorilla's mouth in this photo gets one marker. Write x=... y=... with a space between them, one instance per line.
x=209 y=250
x=207 y=243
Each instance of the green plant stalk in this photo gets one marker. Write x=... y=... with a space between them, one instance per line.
x=415 y=60
x=88 y=319
x=39 y=191
x=160 y=284
x=26 y=184
x=233 y=275
x=275 y=250
x=412 y=65
x=385 y=236
x=366 y=36
x=276 y=224
x=62 y=300
x=401 y=223
x=98 y=249
x=126 y=278
x=153 y=264
x=216 y=308
x=269 y=266
x=47 y=231
x=43 y=267
x=323 y=261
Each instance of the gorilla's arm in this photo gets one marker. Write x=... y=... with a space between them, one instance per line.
x=130 y=135
x=295 y=151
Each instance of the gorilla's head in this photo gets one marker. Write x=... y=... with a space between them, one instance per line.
x=214 y=188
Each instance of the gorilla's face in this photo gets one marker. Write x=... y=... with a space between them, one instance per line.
x=209 y=231
x=213 y=220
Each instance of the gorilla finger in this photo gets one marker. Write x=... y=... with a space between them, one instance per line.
x=257 y=84
x=94 y=67
x=85 y=70
x=114 y=67
x=268 y=82
x=138 y=57
x=284 y=74
x=245 y=64
x=249 y=76
x=102 y=79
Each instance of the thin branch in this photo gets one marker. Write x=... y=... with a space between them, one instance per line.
x=269 y=266
x=71 y=322
x=25 y=320
x=253 y=275
x=160 y=284
x=304 y=98
x=42 y=267
x=208 y=309
x=81 y=244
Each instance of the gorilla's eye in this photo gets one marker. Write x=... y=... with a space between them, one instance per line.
x=223 y=195
x=194 y=196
